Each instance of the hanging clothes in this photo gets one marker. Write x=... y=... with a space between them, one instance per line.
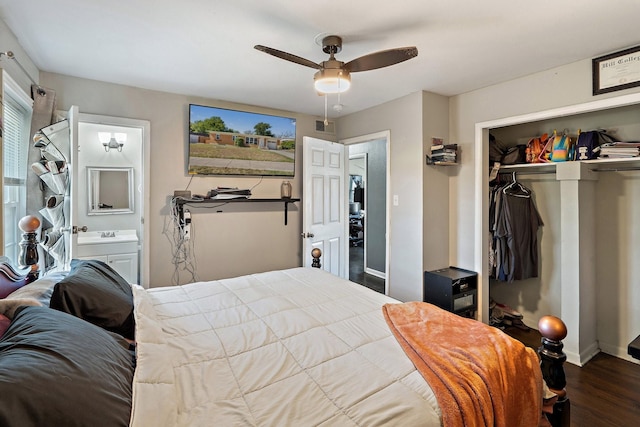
x=514 y=224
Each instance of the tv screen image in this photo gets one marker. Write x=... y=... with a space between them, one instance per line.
x=232 y=142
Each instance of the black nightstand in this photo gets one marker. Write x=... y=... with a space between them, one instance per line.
x=453 y=289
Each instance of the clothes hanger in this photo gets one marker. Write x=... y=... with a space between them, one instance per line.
x=521 y=190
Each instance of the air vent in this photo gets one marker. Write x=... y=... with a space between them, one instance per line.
x=330 y=127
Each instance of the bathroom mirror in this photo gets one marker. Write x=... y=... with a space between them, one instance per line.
x=110 y=190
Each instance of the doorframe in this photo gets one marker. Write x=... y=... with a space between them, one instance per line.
x=366 y=199
x=386 y=135
x=145 y=125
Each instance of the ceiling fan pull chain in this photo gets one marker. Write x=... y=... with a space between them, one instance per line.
x=326 y=120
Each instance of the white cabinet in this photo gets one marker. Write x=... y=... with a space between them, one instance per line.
x=117 y=248
x=126 y=265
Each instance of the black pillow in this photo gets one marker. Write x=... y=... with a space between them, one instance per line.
x=58 y=370
x=93 y=291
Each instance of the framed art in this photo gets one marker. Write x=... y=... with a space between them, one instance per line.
x=616 y=71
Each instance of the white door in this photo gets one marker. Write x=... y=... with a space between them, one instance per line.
x=324 y=222
x=72 y=200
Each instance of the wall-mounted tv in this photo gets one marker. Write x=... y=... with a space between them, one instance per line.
x=231 y=142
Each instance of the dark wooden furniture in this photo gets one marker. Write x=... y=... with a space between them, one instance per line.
x=453 y=289
x=11 y=278
x=28 y=256
x=634 y=348
x=553 y=331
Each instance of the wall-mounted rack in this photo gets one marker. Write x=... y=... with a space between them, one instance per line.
x=180 y=202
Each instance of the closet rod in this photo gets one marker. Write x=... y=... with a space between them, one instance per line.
x=9 y=54
x=525 y=172
x=637 y=168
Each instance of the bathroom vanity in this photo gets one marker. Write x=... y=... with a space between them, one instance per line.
x=117 y=248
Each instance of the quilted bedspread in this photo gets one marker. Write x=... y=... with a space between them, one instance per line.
x=297 y=347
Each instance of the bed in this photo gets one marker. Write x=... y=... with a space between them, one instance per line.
x=290 y=347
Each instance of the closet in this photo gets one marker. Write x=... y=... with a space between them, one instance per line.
x=589 y=273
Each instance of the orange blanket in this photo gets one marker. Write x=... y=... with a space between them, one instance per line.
x=480 y=376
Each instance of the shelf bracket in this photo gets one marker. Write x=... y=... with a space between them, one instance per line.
x=286 y=211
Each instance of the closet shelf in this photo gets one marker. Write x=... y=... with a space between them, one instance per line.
x=631 y=163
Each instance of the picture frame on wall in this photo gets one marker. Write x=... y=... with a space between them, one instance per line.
x=616 y=71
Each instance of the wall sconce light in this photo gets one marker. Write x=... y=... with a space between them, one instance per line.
x=112 y=140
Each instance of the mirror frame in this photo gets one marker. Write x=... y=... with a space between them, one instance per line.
x=91 y=170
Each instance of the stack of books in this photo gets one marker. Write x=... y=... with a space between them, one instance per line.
x=620 y=150
x=443 y=154
x=226 y=193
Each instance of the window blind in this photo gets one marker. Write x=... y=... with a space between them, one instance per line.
x=15 y=141
x=16 y=126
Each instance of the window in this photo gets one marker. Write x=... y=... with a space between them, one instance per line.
x=16 y=120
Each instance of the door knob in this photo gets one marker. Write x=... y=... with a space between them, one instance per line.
x=75 y=229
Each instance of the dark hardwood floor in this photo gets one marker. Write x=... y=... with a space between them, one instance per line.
x=356 y=270
x=604 y=392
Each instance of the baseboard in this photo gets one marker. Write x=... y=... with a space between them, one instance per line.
x=618 y=352
x=573 y=358
x=378 y=274
x=589 y=352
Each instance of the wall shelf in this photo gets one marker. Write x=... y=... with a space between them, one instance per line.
x=180 y=202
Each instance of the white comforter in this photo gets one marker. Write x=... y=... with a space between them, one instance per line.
x=297 y=347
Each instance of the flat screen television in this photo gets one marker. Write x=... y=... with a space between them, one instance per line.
x=232 y=142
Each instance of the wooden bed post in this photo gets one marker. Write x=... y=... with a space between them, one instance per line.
x=553 y=331
x=28 y=256
x=316 y=253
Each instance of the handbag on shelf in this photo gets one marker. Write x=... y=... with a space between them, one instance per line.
x=535 y=146
x=515 y=155
x=560 y=147
x=588 y=144
x=545 y=154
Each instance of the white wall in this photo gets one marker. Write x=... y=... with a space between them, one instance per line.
x=618 y=298
x=244 y=238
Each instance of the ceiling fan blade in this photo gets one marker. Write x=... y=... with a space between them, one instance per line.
x=381 y=59
x=288 y=57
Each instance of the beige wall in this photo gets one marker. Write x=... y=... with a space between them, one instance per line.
x=418 y=234
x=403 y=118
x=244 y=238
x=435 y=123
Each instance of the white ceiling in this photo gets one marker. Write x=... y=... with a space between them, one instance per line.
x=205 y=47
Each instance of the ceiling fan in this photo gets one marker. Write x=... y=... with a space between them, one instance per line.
x=334 y=76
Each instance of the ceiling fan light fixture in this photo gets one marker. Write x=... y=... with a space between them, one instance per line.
x=332 y=81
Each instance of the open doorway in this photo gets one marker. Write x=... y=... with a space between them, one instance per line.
x=367 y=201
